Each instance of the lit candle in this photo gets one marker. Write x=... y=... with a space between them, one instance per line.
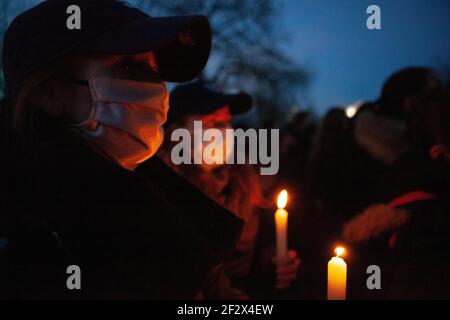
x=337 y=276
x=281 y=217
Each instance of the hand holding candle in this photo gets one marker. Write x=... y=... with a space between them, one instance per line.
x=286 y=262
x=337 y=276
x=286 y=272
x=281 y=218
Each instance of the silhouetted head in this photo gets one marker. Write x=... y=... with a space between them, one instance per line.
x=404 y=90
x=431 y=130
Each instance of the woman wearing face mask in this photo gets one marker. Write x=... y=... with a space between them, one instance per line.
x=235 y=187
x=82 y=119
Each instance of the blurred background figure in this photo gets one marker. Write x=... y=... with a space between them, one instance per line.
x=327 y=197
x=235 y=187
x=329 y=166
x=407 y=230
x=349 y=160
x=296 y=145
x=380 y=129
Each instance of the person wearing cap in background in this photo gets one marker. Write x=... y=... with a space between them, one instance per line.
x=407 y=232
x=380 y=128
x=380 y=131
x=235 y=187
x=82 y=121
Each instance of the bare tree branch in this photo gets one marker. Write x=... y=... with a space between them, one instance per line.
x=246 y=53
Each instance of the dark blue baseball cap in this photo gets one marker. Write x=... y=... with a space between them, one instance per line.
x=201 y=98
x=38 y=37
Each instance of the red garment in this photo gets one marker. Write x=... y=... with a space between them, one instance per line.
x=407 y=198
x=410 y=197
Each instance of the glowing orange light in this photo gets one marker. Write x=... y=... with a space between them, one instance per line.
x=282 y=199
x=339 y=251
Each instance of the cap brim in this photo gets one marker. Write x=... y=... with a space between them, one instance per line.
x=211 y=101
x=182 y=44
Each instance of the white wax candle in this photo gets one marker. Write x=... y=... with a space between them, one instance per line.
x=337 y=277
x=281 y=219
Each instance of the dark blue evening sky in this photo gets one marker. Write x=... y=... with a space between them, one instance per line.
x=348 y=62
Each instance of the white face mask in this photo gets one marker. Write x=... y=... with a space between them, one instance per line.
x=224 y=150
x=125 y=122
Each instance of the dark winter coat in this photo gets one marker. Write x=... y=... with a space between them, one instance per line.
x=408 y=237
x=147 y=234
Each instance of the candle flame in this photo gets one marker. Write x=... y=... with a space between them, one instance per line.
x=282 y=199
x=339 y=251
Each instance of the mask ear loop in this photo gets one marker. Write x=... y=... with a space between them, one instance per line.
x=93 y=108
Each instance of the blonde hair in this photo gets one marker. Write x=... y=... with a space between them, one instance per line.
x=28 y=101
